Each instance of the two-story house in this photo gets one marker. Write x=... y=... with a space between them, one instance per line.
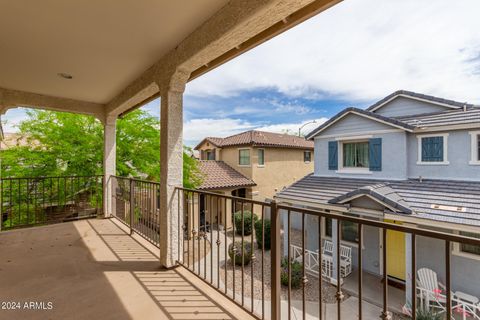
x=252 y=164
x=409 y=159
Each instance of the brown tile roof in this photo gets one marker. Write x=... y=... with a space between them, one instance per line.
x=219 y=175
x=260 y=139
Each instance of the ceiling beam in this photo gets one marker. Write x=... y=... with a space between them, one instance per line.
x=15 y=98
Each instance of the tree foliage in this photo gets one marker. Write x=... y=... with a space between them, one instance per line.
x=61 y=144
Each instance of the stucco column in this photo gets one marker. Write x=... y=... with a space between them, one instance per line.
x=171 y=170
x=109 y=163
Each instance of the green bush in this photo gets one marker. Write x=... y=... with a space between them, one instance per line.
x=267 y=227
x=247 y=222
x=428 y=315
x=296 y=271
x=247 y=252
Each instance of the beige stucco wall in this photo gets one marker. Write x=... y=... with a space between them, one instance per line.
x=230 y=156
x=208 y=146
x=282 y=167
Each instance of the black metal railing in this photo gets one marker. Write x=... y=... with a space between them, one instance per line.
x=136 y=203
x=44 y=200
x=262 y=280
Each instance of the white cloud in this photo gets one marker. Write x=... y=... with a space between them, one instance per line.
x=364 y=50
x=12 y=119
x=293 y=127
x=197 y=129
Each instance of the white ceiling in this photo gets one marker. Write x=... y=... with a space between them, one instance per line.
x=104 y=44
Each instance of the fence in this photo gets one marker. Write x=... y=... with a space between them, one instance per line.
x=137 y=203
x=211 y=223
x=43 y=200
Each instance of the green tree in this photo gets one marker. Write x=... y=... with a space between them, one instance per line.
x=60 y=144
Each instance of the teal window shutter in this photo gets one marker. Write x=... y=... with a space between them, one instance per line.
x=375 y=154
x=432 y=149
x=333 y=155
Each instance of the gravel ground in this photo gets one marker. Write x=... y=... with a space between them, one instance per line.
x=311 y=289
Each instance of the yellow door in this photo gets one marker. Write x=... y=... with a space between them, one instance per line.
x=396 y=253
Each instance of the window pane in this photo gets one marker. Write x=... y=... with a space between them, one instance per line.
x=261 y=157
x=349 y=230
x=307 y=156
x=478 y=147
x=211 y=154
x=244 y=157
x=355 y=155
x=469 y=248
x=328 y=227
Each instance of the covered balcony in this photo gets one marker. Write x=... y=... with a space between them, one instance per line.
x=134 y=249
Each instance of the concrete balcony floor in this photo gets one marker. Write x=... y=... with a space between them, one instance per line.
x=92 y=269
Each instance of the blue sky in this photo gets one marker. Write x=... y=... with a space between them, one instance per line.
x=351 y=55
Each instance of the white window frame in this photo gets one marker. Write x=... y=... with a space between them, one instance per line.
x=474 y=161
x=258 y=163
x=458 y=252
x=249 y=157
x=350 y=170
x=310 y=151
x=445 y=149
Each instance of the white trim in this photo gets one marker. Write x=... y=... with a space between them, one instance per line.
x=354 y=137
x=413 y=98
x=354 y=171
x=474 y=160
x=311 y=154
x=449 y=127
x=371 y=198
x=432 y=223
x=355 y=134
x=445 y=149
x=350 y=170
x=361 y=115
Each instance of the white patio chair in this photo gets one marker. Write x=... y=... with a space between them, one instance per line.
x=345 y=258
x=431 y=290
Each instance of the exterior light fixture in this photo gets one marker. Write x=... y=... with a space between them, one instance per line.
x=65 y=75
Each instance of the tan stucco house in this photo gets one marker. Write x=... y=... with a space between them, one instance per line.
x=253 y=164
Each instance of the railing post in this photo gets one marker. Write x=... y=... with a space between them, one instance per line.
x=275 y=256
x=132 y=204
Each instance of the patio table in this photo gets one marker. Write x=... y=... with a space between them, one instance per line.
x=469 y=303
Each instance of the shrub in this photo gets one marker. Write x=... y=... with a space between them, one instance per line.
x=267 y=227
x=428 y=315
x=247 y=222
x=247 y=252
x=296 y=271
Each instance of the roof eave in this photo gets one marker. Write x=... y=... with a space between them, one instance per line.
x=361 y=113
x=343 y=199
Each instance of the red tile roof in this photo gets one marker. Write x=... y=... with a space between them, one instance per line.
x=260 y=139
x=219 y=175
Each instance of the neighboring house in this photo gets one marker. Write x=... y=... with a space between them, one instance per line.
x=410 y=159
x=253 y=164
